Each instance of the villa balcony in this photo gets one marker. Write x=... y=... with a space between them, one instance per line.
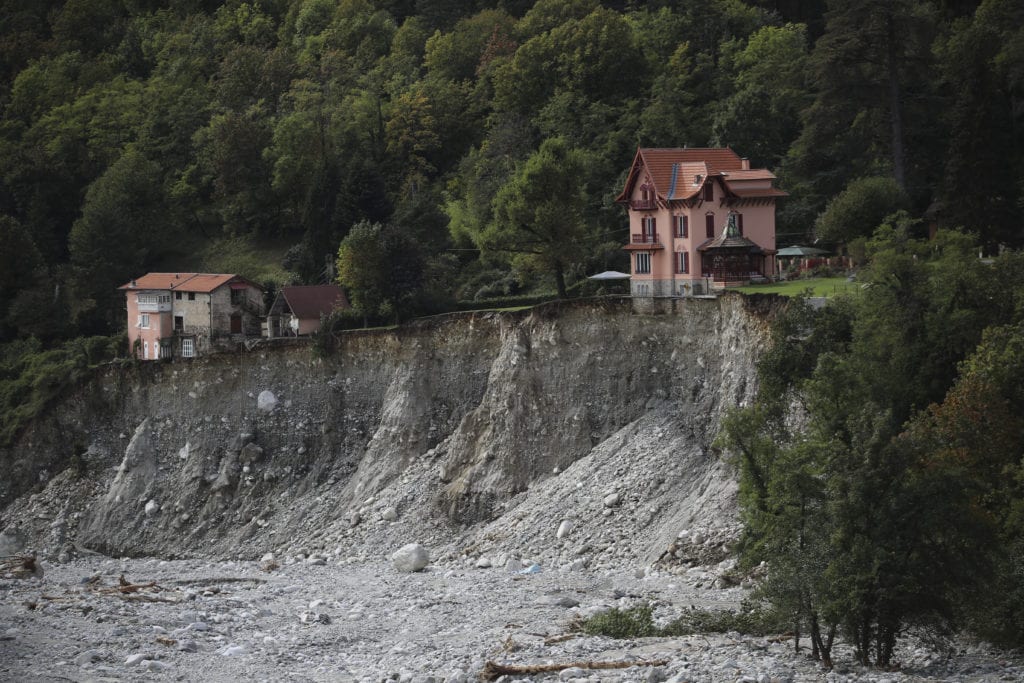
x=645 y=238
x=154 y=307
x=643 y=204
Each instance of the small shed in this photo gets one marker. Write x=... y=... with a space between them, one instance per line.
x=298 y=310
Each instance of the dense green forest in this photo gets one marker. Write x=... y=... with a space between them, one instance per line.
x=253 y=136
x=438 y=151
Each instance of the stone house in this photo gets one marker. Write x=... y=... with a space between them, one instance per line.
x=190 y=314
x=699 y=219
x=298 y=310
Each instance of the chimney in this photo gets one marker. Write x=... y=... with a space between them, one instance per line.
x=134 y=283
x=745 y=163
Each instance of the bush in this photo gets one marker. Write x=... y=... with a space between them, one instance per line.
x=638 y=622
x=505 y=302
x=635 y=622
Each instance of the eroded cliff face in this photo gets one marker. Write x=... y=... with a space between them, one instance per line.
x=469 y=430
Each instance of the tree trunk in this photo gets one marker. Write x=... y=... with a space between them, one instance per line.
x=895 y=113
x=560 y=281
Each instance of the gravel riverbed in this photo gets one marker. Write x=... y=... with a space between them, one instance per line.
x=358 y=619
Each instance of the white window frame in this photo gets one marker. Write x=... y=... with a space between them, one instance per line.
x=144 y=320
x=642 y=263
x=188 y=348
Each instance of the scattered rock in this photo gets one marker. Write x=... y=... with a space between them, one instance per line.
x=410 y=558
x=266 y=401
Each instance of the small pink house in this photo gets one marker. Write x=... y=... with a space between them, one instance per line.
x=188 y=314
x=699 y=219
x=298 y=310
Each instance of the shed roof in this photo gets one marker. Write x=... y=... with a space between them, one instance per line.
x=312 y=301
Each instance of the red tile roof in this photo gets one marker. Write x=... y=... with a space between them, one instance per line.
x=312 y=301
x=185 y=282
x=673 y=171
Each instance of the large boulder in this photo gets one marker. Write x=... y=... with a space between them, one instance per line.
x=410 y=558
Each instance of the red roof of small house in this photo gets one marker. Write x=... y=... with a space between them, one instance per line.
x=312 y=301
x=680 y=173
x=187 y=282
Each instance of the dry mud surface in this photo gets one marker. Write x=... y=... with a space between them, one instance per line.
x=364 y=621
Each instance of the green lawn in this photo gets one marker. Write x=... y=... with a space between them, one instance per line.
x=820 y=286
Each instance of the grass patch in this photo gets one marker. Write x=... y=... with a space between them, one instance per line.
x=638 y=622
x=818 y=286
x=257 y=260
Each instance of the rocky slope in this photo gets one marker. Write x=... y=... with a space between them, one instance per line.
x=477 y=434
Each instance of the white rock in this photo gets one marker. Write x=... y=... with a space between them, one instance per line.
x=611 y=500
x=410 y=558
x=234 y=650
x=389 y=515
x=483 y=563
x=134 y=659
x=152 y=507
x=154 y=665
x=266 y=401
x=563 y=529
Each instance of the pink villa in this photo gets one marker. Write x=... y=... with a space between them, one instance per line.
x=699 y=219
x=189 y=314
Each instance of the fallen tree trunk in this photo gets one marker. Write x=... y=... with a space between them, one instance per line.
x=492 y=670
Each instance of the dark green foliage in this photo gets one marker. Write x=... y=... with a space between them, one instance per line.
x=860 y=208
x=869 y=526
x=298 y=119
x=32 y=378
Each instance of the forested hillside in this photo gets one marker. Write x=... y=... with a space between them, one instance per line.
x=253 y=136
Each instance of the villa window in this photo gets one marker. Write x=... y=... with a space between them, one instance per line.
x=237 y=297
x=144 y=321
x=191 y=296
x=682 y=226
x=643 y=263
x=709 y=190
x=177 y=296
x=739 y=222
x=149 y=299
x=709 y=224
x=682 y=262
x=649 y=226
x=188 y=348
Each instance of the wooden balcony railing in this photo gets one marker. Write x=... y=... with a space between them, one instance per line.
x=645 y=238
x=643 y=204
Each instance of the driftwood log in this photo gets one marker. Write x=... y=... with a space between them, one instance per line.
x=493 y=670
x=21 y=567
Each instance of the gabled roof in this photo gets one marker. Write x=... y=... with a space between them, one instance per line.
x=186 y=282
x=680 y=173
x=312 y=301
